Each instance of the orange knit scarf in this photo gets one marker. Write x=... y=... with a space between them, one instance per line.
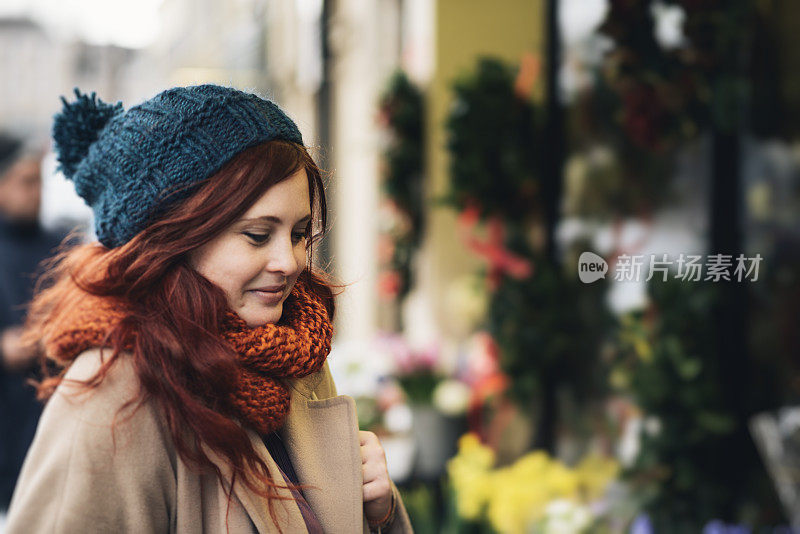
x=296 y=347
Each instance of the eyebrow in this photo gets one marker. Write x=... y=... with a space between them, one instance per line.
x=273 y=219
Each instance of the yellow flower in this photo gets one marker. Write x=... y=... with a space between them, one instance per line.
x=523 y=490
x=643 y=349
x=469 y=473
x=595 y=472
x=515 y=497
x=619 y=378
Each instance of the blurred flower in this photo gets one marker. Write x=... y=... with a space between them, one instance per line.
x=398 y=419
x=643 y=349
x=416 y=369
x=629 y=443
x=469 y=473
x=535 y=490
x=470 y=216
x=759 y=201
x=408 y=359
x=359 y=367
x=389 y=394
x=718 y=527
x=652 y=425
x=619 y=378
x=501 y=260
x=389 y=283
x=467 y=301
x=529 y=69
x=451 y=397
x=563 y=516
x=594 y=472
x=483 y=372
x=483 y=357
x=392 y=220
x=642 y=525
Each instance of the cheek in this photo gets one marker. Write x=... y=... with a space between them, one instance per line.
x=302 y=257
x=221 y=266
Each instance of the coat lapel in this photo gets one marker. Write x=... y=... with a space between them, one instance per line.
x=286 y=510
x=321 y=438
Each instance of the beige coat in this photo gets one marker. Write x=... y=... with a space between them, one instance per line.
x=79 y=477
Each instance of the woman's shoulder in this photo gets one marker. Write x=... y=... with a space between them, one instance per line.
x=101 y=413
x=116 y=387
x=88 y=363
x=98 y=458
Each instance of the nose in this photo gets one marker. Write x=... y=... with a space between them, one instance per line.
x=282 y=258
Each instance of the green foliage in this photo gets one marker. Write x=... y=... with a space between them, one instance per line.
x=401 y=108
x=669 y=364
x=549 y=328
x=420 y=503
x=369 y=415
x=432 y=510
x=419 y=385
x=492 y=139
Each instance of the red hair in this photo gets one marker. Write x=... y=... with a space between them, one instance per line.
x=167 y=303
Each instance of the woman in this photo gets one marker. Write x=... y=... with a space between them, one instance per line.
x=195 y=397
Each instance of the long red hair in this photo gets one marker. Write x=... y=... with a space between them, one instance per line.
x=168 y=303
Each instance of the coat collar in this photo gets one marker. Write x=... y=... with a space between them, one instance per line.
x=321 y=438
x=304 y=387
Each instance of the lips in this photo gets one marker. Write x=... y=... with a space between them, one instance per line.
x=269 y=294
x=270 y=289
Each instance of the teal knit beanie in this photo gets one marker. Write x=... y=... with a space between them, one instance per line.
x=132 y=166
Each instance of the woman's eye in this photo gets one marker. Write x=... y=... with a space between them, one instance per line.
x=298 y=236
x=257 y=238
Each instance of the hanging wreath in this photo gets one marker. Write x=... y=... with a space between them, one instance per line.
x=493 y=147
x=401 y=213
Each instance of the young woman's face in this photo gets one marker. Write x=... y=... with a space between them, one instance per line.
x=257 y=259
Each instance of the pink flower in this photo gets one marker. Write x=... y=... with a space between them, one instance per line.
x=389 y=284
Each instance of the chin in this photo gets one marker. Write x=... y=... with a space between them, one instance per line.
x=260 y=318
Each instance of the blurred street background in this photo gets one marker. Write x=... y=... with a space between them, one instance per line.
x=569 y=232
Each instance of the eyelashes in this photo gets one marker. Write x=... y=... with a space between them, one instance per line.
x=256 y=238
x=261 y=238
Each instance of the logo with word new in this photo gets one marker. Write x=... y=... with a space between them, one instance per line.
x=591 y=267
x=686 y=267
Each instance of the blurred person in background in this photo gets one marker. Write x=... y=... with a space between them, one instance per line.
x=196 y=396
x=23 y=246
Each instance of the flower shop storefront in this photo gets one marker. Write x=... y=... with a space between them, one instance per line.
x=588 y=271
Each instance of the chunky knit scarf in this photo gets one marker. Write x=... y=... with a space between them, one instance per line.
x=295 y=347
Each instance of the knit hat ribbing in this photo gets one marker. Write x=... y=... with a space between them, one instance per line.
x=132 y=166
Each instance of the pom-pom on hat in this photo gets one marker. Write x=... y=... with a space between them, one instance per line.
x=132 y=166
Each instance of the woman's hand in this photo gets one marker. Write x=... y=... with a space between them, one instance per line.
x=377 y=486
